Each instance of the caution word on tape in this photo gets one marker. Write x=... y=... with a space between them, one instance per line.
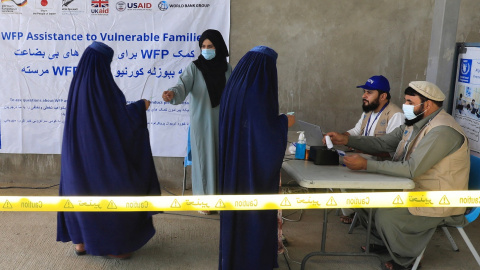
x=241 y=202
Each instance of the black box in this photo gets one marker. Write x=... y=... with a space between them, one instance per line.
x=321 y=155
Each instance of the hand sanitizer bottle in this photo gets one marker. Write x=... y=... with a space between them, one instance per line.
x=301 y=146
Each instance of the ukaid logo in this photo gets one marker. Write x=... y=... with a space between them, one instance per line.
x=99 y=7
x=464 y=72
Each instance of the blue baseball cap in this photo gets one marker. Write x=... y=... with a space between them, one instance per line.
x=376 y=83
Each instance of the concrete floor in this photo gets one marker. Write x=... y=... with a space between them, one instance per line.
x=187 y=240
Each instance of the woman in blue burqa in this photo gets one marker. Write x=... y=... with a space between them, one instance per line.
x=253 y=139
x=105 y=152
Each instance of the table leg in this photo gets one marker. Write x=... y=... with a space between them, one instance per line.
x=322 y=251
x=369 y=230
x=324 y=230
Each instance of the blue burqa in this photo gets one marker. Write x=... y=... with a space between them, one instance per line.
x=105 y=152
x=253 y=139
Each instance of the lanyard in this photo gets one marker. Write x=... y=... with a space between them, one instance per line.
x=367 y=130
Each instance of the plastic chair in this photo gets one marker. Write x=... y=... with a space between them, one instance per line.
x=187 y=161
x=473 y=184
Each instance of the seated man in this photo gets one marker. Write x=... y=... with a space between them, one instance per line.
x=473 y=107
x=432 y=150
x=379 y=117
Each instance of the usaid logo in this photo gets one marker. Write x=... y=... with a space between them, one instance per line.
x=137 y=6
x=121 y=6
x=464 y=70
x=163 y=5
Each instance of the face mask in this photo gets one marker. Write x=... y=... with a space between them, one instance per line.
x=408 y=111
x=208 y=53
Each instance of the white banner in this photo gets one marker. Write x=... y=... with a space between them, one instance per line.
x=43 y=40
x=467 y=95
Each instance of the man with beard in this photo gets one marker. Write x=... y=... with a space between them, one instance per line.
x=432 y=150
x=379 y=117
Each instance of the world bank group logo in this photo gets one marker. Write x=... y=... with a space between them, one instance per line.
x=465 y=70
x=163 y=5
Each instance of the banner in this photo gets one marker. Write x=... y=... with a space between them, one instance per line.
x=43 y=40
x=467 y=95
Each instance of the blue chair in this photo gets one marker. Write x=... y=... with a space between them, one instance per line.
x=187 y=162
x=473 y=184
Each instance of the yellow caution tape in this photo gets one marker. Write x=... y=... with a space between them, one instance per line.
x=241 y=202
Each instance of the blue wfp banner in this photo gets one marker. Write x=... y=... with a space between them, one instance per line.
x=43 y=40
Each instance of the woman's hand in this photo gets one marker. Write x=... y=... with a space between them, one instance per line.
x=291 y=120
x=168 y=95
x=147 y=104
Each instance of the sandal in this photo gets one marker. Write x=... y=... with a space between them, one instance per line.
x=80 y=250
x=125 y=256
x=392 y=265
x=375 y=248
x=347 y=219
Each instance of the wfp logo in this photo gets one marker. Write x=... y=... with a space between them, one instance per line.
x=465 y=66
x=163 y=5
x=464 y=70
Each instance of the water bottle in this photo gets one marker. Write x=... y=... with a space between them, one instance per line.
x=301 y=146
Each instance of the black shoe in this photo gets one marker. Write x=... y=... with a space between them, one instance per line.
x=375 y=249
x=80 y=253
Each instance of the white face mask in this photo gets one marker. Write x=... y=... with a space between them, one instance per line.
x=408 y=111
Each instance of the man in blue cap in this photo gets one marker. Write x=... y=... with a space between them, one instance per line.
x=379 y=117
